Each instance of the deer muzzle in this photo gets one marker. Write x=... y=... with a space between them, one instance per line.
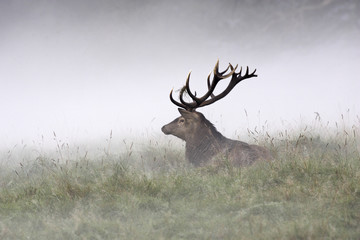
x=165 y=129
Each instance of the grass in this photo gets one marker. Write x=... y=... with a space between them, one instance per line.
x=148 y=191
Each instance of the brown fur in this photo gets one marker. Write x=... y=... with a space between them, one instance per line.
x=204 y=144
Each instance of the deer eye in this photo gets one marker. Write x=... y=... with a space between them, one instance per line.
x=181 y=120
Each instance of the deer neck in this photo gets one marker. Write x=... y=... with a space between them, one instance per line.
x=204 y=145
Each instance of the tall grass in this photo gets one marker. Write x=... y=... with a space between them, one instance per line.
x=148 y=191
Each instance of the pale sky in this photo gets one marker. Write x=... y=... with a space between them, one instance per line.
x=85 y=68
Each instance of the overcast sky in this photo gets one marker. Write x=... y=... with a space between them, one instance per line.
x=83 y=68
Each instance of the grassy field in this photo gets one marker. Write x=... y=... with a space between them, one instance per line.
x=148 y=191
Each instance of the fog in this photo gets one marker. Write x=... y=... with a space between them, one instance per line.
x=84 y=68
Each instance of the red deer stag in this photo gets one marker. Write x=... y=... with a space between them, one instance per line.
x=204 y=144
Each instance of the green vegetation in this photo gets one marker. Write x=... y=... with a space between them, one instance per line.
x=310 y=191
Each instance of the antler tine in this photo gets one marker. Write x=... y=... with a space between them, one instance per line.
x=193 y=96
x=208 y=80
x=253 y=73
x=216 y=68
x=208 y=84
x=233 y=69
x=176 y=102
x=247 y=75
x=225 y=70
x=239 y=77
x=220 y=75
x=188 y=106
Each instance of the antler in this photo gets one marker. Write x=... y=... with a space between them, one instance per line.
x=217 y=76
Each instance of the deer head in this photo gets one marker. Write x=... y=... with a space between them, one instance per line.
x=187 y=125
x=191 y=122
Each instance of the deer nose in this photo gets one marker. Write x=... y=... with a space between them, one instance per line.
x=165 y=130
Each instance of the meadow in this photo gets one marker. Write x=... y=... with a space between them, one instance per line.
x=147 y=190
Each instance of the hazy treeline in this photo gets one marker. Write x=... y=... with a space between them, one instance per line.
x=286 y=22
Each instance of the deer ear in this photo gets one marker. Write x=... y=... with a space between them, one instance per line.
x=184 y=112
x=187 y=114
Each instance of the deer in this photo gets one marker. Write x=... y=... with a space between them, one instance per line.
x=203 y=143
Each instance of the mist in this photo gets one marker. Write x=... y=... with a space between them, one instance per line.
x=82 y=69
